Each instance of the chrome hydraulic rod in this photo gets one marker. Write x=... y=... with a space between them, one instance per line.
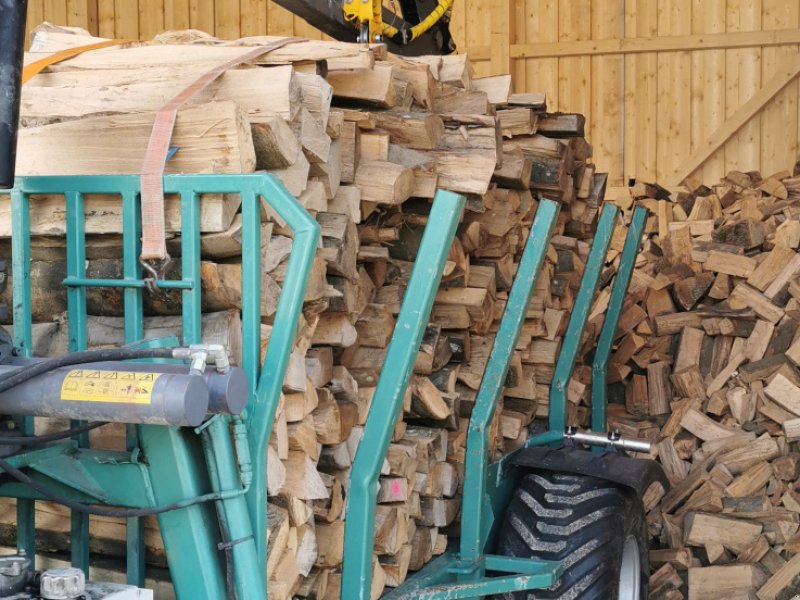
x=611 y=439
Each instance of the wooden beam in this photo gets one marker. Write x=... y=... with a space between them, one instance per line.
x=671 y=43
x=787 y=72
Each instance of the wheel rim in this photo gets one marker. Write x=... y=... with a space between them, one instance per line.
x=630 y=572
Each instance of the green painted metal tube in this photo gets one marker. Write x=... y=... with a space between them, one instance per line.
x=85 y=282
x=223 y=474
x=399 y=363
x=435 y=580
x=23 y=340
x=543 y=439
x=577 y=321
x=261 y=411
x=78 y=336
x=194 y=561
x=133 y=303
x=20 y=264
x=190 y=267
x=618 y=291
x=473 y=527
x=251 y=287
x=236 y=518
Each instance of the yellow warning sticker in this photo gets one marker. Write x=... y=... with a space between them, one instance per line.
x=86 y=385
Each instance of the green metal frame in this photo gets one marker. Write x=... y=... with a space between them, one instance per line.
x=488 y=487
x=183 y=463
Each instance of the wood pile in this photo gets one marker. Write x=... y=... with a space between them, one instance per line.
x=706 y=367
x=363 y=139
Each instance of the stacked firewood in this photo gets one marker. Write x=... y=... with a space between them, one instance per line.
x=706 y=367
x=363 y=139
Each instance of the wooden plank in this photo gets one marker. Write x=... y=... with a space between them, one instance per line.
x=253 y=17
x=226 y=19
x=743 y=79
x=779 y=119
x=606 y=93
x=82 y=13
x=477 y=31
x=105 y=18
x=575 y=73
x=785 y=74
x=55 y=12
x=500 y=36
x=641 y=44
x=36 y=15
x=151 y=18
x=201 y=15
x=177 y=14
x=541 y=23
x=708 y=85
x=641 y=88
x=674 y=92
x=126 y=19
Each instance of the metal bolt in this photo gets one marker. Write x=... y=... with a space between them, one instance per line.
x=62 y=584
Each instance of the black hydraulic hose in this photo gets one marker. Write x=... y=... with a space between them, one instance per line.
x=36 y=440
x=20 y=376
x=12 y=45
x=122 y=513
x=24 y=374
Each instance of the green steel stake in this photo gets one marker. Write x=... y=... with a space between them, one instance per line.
x=248 y=582
x=607 y=334
x=261 y=410
x=134 y=331
x=23 y=339
x=399 y=363
x=577 y=322
x=78 y=341
x=251 y=284
x=473 y=534
x=190 y=267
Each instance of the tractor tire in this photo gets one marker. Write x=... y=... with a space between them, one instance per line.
x=596 y=528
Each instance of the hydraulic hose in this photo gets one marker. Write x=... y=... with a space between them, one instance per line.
x=112 y=354
x=37 y=440
x=420 y=28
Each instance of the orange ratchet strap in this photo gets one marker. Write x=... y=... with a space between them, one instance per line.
x=154 y=246
x=33 y=69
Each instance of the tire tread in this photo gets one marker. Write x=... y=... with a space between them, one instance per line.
x=579 y=520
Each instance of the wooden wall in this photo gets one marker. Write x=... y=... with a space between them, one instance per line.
x=669 y=87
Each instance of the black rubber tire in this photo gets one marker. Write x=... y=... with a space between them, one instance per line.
x=580 y=520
